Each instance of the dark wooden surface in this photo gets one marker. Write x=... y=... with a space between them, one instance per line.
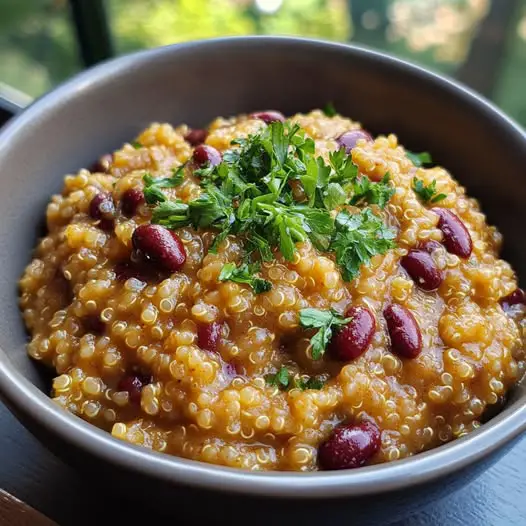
x=32 y=474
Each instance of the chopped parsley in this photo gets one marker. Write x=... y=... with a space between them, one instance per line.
x=245 y=274
x=427 y=193
x=358 y=238
x=373 y=193
x=136 y=144
x=325 y=321
x=285 y=380
x=329 y=110
x=152 y=187
x=419 y=159
x=250 y=194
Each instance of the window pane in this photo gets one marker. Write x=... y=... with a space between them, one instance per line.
x=479 y=41
x=37 y=44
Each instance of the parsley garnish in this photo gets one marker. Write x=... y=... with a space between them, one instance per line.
x=250 y=194
x=285 y=381
x=372 y=193
x=245 y=274
x=152 y=187
x=136 y=144
x=329 y=110
x=419 y=159
x=325 y=321
x=358 y=238
x=427 y=193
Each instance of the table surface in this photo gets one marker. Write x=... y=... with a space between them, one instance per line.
x=31 y=473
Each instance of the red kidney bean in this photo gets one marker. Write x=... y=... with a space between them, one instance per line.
x=517 y=297
x=406 y=338
x=353 y=339
x=350 y=446
x=93 y=324
x=268 y=116
x=108 y=225
x=128 y=269
x=208 y=336
x=196 y=137
x=349 y=139
x=456 y=236
x=205 y=155
x=133 y=384
x=102 y=207
x=160 y=246
x=422 y=268
x=103 y=165
x=131 y=200
x=430 y=245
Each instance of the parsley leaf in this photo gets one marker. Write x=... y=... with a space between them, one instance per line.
x=334 y=196
x=285 y=380
x=281 y=379
x=365 y=191
x=358 y=238
x=427 y=193
x=419 y=159
x=136 y=144
x=325 y=322
x=245 y=274
x=329 y=110
x=152 y=187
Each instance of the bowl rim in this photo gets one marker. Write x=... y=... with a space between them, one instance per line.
x=27 y=400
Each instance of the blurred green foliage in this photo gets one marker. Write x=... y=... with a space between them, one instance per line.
x=38 y=47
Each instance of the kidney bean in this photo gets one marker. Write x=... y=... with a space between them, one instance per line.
x=352 y=340
x=205 y=155
x=456 y=236
x=350 y=446
x=268 y=116
x=406 y=338
x=349 y=139
x=102 y=207
x=196 y=137
x=422 y=268
x=160 y=246
x=131 y=200
x=103 y=165
x=517 y=297
x=93 y=324
x=133 y=384
x=208 y=336
x=430 y=245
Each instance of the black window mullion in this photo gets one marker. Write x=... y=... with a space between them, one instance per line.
x=92 y=30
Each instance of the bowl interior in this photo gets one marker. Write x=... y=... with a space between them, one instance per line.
x=196 y=82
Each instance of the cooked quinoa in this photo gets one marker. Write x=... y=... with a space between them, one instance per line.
x=173 y=358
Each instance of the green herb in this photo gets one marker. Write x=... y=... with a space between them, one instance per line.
x=329 y=109
x=152 y=187
x=365 y=191
x=245 y=274
x=285 y=380
x=310 y=383
x=427 y=193
x=281 y=379
x=358 y=238
x=136 y=144
x=419 y=159
x=250 y=194
x=325 y=321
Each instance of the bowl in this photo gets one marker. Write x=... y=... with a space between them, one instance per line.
x=194 y=82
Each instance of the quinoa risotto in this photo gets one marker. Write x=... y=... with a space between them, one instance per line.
x=273 y=294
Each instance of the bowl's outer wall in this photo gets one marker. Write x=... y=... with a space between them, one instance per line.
x=194 y=84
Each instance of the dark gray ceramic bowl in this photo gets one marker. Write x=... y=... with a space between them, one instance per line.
x=99 y=109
